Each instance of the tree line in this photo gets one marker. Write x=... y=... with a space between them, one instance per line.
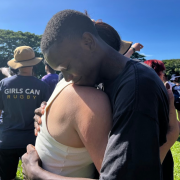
x=172 y=67
x=9 y=40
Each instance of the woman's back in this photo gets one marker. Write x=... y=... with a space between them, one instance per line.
x=59 y=144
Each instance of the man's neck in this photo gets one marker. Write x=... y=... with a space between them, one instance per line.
x=25 y=73
x=113 y=64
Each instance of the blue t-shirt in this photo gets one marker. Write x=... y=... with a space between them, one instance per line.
x=51 y=80
x=19 y=97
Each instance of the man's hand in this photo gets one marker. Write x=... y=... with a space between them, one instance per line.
x=30 y=162
x=37 y=118
x=32 y=170
x=137 y=46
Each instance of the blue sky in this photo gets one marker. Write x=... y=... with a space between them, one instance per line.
x=154 y=23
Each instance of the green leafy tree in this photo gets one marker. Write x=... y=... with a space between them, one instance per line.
x=136 y=55
x=172 y=67
x=9 y=40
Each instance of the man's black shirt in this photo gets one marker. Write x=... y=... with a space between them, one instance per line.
x=140 y=121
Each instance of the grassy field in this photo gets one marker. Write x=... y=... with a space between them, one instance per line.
x=176 y=155
x=19 y=174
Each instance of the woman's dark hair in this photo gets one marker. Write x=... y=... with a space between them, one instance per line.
x=108 y=34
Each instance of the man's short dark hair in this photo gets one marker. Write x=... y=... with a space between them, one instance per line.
x=67 y=23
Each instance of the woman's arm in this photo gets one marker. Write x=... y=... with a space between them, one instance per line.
x=92 y=122
x=173 y=130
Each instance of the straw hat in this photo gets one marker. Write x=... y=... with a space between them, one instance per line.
x=24 y=56
x=125 y=45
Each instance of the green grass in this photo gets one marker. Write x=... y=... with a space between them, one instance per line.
x=19 y=174
x=176 y=156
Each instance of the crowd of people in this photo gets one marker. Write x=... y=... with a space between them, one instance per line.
x=105 y=116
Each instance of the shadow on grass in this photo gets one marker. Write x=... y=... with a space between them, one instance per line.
x=178 y=139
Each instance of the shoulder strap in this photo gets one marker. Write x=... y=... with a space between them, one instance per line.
x=59 y=87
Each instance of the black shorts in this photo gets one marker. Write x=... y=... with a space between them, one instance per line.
x=9 y=159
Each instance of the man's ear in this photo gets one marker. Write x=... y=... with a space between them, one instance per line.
x=88 y=41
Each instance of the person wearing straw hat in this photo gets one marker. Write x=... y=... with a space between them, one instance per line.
x=20 y=95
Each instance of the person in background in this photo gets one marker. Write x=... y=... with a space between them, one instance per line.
x=2 y=76
x=20 y=95
x=158 y=66
x=168 y=164
x=175 y=79
x=174 y=87
x=167 y=83
x=170 y=85
x=51 y=78
x=4 y=73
